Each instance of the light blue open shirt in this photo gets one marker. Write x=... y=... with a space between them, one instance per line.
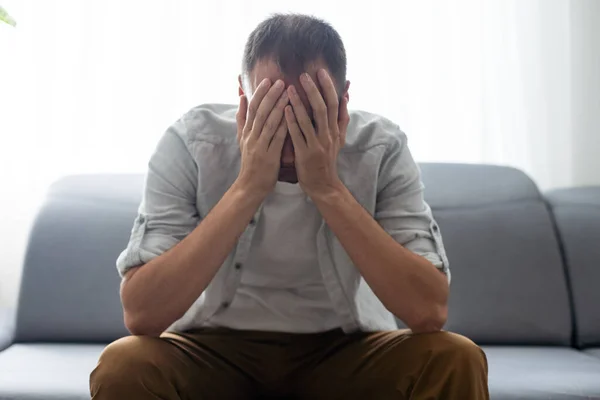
x=198 y=159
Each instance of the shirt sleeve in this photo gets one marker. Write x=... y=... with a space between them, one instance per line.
x=401 y=208
x=168 y=211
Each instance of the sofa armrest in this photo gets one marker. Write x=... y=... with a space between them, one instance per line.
x=7 y=328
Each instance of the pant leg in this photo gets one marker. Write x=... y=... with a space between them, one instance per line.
x=174 y=366
x=396 y=365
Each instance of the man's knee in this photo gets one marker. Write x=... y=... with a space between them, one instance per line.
x=125 y=360
x=457 y=368
x=457 y=351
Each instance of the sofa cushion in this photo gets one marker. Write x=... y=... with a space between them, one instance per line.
x=47 y=371
x=70 y=287
x=577 y=213
x=542 y=373
x=595 y=352
x=508 y=281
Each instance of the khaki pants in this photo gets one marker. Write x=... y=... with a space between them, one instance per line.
x=228 y=364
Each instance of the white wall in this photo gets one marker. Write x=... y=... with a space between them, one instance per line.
x=16 y=201
x=526 y=102
x=585 y=92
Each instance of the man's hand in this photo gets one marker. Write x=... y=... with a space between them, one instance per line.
x=261 y=131
x=316 y=151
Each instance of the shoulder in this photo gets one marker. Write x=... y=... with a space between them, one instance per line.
x=368 y=130
x=214 y=123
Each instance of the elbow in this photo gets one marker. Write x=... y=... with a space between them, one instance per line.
x=136 y=319
x=431 y=320
x=140 y=326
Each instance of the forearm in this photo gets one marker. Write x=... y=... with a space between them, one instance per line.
x=410 y=286
x=157 y=294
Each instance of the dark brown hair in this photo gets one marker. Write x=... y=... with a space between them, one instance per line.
x=293 y=41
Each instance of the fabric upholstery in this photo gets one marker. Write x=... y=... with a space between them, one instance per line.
x=577 y=214
x=47 y=371
x=475 y=185
x=500 y=241
x=528 y=373
x=574 y=197
x=595 y=352
x=69 y=289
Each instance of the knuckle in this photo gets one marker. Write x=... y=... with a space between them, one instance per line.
x=320 y=108
x=253 y=108
x=270 y=126
x=261 y=115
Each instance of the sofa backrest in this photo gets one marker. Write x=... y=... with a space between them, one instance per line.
x=577 y=214
x=508 y=280
x=70 y=285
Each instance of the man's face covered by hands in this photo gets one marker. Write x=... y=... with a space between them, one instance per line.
x=268 y=69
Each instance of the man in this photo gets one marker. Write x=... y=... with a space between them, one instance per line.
x=275 y=243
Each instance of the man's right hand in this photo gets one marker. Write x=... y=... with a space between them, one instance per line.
x=164 y=289
x=261 y=131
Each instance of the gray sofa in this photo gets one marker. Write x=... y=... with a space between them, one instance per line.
x=525 y=282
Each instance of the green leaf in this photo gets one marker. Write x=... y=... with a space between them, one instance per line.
x=7 y=18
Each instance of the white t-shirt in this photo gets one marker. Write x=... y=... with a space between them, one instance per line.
x=281 y=285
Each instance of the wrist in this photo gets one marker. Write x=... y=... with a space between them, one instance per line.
x=330 y=194
x=246 y=192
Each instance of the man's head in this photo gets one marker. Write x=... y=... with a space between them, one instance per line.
x=284 y=46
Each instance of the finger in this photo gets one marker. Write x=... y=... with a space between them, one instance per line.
x=276 y=145
x=273 y=121
x=240 y=116
x=301 y=116
x=259 y=94
x=316 y=101
x=343 y=120
x=265 y=108
x=331 y=98
x=296 y=134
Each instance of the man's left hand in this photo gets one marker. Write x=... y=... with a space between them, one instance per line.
x=316 y=151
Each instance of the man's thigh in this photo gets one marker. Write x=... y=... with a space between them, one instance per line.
x=205 y=365
x=397 y=365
